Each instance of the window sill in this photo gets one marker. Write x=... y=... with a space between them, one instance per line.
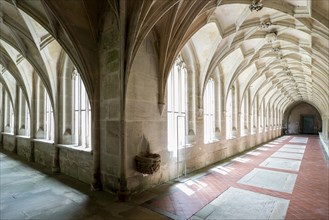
x=212 y=141
x=74 y=147
x=22 y=137
x=43 y=141
x=8 y=133
x=187 y=146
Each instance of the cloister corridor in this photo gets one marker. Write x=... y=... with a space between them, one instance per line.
x=164 y=109
x=286 y=178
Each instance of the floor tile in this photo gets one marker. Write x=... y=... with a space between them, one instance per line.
x=291 y=150
x=295 y=156
x=280 y=163
x=298 y=146
x=299 y=140
x=268 y=179
x=237 y=203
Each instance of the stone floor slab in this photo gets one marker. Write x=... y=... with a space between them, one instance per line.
x=302 y=140
x=237 y=203
x=280 y=163
x=295 y=156
x=268 y=179
x=291 y=150
x=298 y=146
x=26 y=193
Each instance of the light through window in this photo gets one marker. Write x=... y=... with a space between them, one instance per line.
x=176 y=112
x=209 y=112
x=82 y=112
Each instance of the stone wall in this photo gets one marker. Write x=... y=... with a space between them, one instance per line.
x=8 y=142
x=76 y=163
x=44 y=153
x=24 y=147
x=146 y=127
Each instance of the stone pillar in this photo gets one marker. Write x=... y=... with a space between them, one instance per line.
x=33 y=116
x=56 y=109
x=2 y=114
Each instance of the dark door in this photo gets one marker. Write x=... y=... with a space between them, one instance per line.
x=308 y=124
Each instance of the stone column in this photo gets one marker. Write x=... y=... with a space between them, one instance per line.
x=2 y=114
x=33 y=116
x=56 y=109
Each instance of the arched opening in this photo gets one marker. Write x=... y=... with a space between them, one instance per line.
x=302 y=118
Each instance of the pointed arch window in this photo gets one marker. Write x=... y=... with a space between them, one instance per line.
x=82 y=112
x=177 y=102
x=209 y=112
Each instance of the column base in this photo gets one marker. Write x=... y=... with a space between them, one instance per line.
x=96 y=185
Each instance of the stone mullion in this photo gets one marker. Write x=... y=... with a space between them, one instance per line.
x=7 y=110
x=223 y=111
x=68 y=111
x=257 y=112
x=238 y=113
x=191 y=114
x=218 y=116
x=22 y=113
x=41 y=111
x=233 y=111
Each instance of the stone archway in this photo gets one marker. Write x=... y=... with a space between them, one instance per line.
x=303 y=118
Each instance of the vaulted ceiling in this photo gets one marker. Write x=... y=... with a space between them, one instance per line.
x=279 y=51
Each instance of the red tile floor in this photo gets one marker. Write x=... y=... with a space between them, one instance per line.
x=309 y=199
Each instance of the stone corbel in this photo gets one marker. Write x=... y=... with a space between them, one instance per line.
x=161 y=107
